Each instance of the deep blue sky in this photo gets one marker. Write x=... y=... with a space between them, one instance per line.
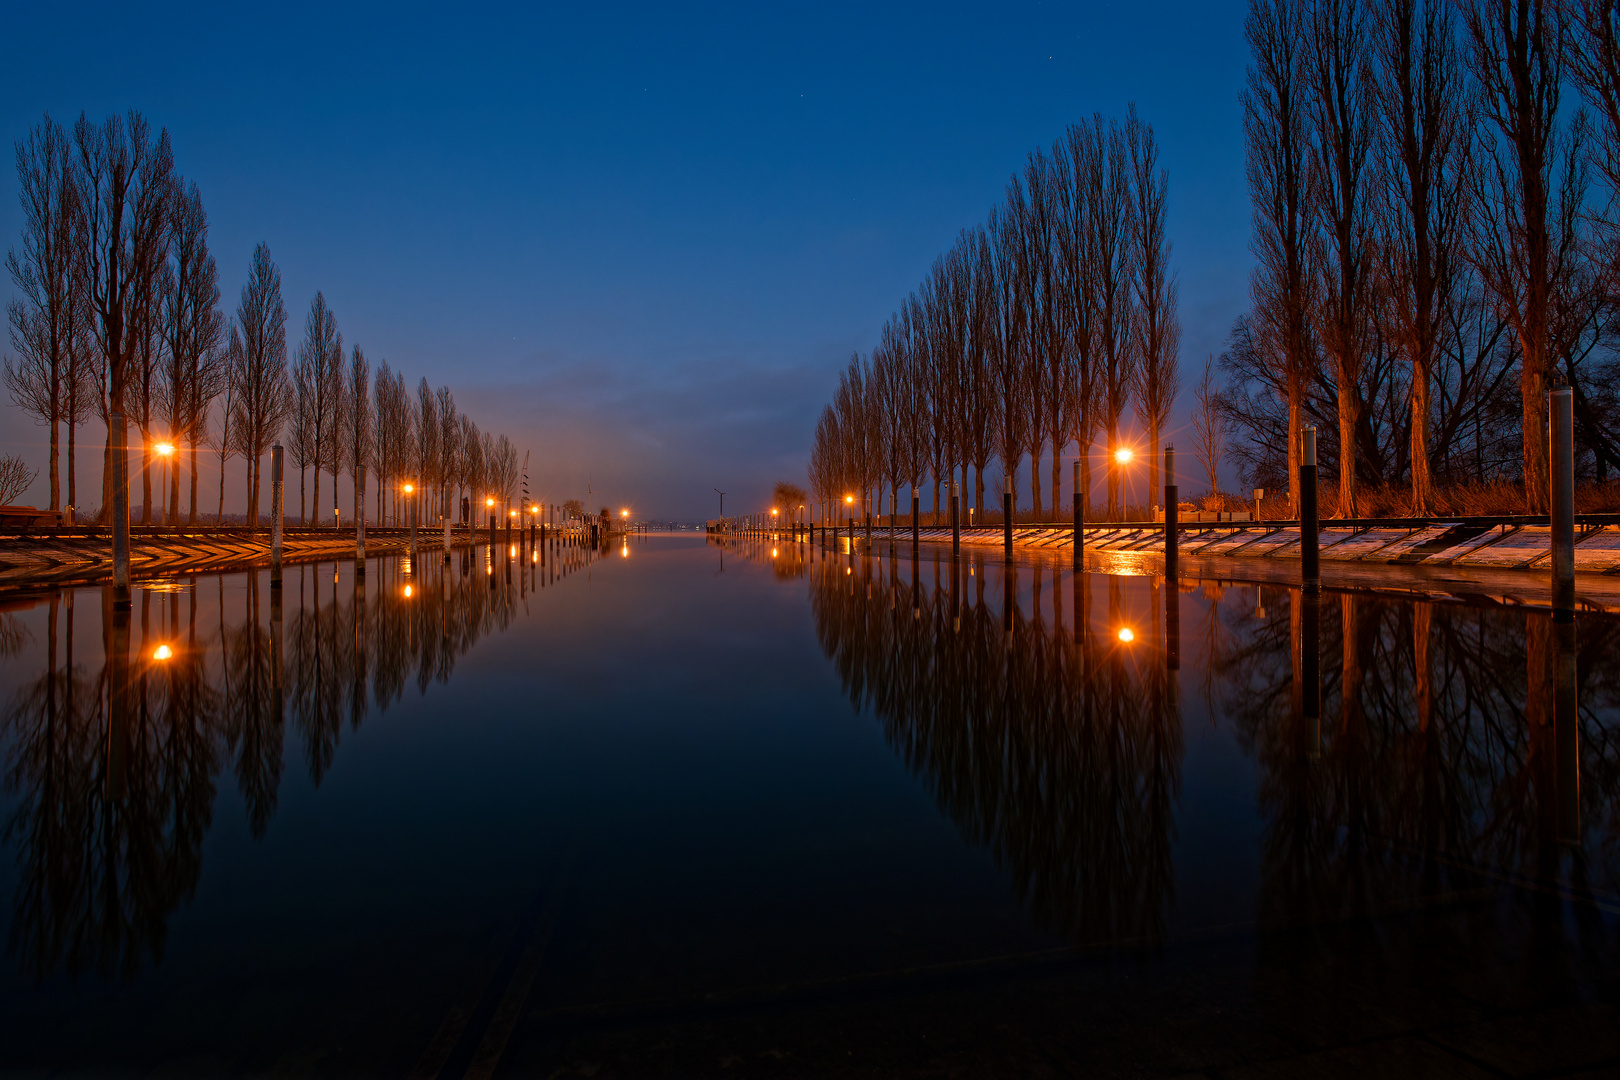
x=641 y=240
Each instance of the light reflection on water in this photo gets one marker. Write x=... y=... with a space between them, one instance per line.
x=1141 y=766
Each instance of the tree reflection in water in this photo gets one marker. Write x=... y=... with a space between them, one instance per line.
x=114 y=791
x=1405 y=748
x=1060 y=752
x=1468 y=737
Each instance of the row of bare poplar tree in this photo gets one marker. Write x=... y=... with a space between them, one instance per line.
x=117 y=316
x=1433 y=184
x=1035 y=332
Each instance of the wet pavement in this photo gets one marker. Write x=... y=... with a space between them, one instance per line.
x=681 y=808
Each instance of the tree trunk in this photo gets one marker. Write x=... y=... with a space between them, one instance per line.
x=56 y=476
x=72 y=499
x=1035 y=484
x=146 y=478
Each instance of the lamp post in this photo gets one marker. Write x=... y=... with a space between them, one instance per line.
x=165 y=451
x=1123 y=457
x=849 y=503
x=489 y=504
x=410 y=490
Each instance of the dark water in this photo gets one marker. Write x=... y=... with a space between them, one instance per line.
x=676 y=809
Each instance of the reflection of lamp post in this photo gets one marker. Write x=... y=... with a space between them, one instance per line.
x=1127 y=635
x=162 y=652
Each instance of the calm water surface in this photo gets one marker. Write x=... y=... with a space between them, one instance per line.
x=678 y=808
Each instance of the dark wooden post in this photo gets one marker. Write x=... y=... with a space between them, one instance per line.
x=1078 y=547
x=119 y=437
x=1310 y=666
x=1172 y=524
x=1006 y=518
x=1309 y=526
x=916 y=519
x=956 y=517
x=1562 y=484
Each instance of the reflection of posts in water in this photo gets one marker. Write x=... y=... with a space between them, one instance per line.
x=1307 y=644
x=117 y=694
x=1008 y=600
x=1172 y=625
x=1566 y=728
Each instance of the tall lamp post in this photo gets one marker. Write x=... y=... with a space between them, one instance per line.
x=165 y=451
x=410 y=490
x=1123 y=457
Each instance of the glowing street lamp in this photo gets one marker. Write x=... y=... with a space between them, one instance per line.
x=162 y=652
x=165 y=450
x=1123 y=457
x=1127 y=635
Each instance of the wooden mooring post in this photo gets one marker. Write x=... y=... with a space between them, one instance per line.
x=1562 y=489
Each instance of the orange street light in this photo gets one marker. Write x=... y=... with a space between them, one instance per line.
x=1123 y=455
x=165 y=449
x=624 y=513
x=409 y=488
x=407 y=592
x=490 y=501
x=162 y=652
x=1127 y=635
x=773 y=511
x=849 y=498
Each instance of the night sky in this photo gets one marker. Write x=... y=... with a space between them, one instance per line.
x=642 y=241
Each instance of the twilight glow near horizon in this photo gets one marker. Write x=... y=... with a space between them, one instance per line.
x=640 y=240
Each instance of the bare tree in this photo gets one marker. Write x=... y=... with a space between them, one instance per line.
x=259 y=370
x=1209 y=428
x=49 y=283
x=429 y=466
x=1594 y=63
x=1111 y=276
x=320 y=378
x=1422 y=186
x=125 y=179
x=223 y=440
x=358 y=424
x=302 y=445
x=194 y=332
x=1530 y=196
x=451 y=457
x=1158 y=330
x=15 y=477
x=1275 y=107
x=1339 y=78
